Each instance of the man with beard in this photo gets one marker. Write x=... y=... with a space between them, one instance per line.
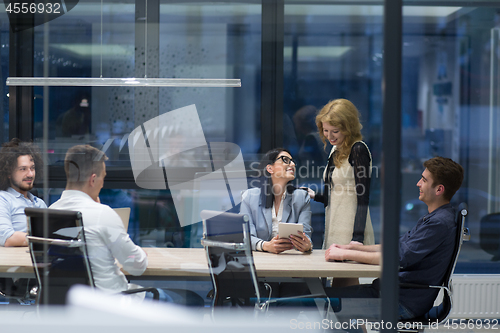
x=425 y=252
x=19 y=162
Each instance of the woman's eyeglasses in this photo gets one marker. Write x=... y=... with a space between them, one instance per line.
x=287 y=160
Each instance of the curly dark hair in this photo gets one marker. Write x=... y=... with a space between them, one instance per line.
x=266 y=185
x=9 y=153
x=81 y=162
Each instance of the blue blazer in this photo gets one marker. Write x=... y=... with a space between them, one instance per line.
x=296 y=209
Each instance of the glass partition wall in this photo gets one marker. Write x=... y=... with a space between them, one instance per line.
x=331 y=51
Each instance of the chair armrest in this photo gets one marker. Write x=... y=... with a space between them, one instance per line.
x=229 y=246
x=414 y=286
x=420 y=286
x=284 y=299
x=156 y=294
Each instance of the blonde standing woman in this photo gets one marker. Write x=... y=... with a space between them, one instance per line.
x=347 y=177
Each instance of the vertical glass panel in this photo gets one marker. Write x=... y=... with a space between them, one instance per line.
x=184 y=40
x=223 y=40
x=331 y=51
x=89 y=41
x=450 y=108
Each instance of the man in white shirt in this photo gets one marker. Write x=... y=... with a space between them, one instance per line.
x=105 y=234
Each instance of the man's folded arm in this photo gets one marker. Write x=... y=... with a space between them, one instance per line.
x=18 y=238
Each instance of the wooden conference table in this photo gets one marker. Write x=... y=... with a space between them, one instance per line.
x=192 y=262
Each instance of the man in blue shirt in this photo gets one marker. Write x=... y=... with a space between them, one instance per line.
x=425 y=252
x=19 y=163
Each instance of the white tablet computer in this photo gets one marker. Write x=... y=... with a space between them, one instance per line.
x=287 y=229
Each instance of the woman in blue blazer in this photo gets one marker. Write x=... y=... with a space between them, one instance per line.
x=277 y=201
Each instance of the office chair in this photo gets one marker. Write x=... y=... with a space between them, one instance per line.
x=441 y=312
x=59 y=254
x=23 y=290
x=226 y=239
x=489 y=235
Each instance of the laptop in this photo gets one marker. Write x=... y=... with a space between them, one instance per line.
x=124 y=214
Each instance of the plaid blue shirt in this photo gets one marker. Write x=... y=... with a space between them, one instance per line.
x=425 y=253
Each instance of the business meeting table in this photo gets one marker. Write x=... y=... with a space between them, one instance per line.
x=191 y=263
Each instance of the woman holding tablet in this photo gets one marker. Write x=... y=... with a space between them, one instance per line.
x=276 y=201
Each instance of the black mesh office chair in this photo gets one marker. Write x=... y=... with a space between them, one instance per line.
x=441 y=312
x=226 y=239
x=489 y=235
x=58 y=251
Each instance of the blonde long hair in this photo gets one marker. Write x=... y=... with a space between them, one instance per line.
x=342 y=114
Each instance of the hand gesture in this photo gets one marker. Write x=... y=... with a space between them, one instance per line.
x=311 y=193
x=334 y=253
